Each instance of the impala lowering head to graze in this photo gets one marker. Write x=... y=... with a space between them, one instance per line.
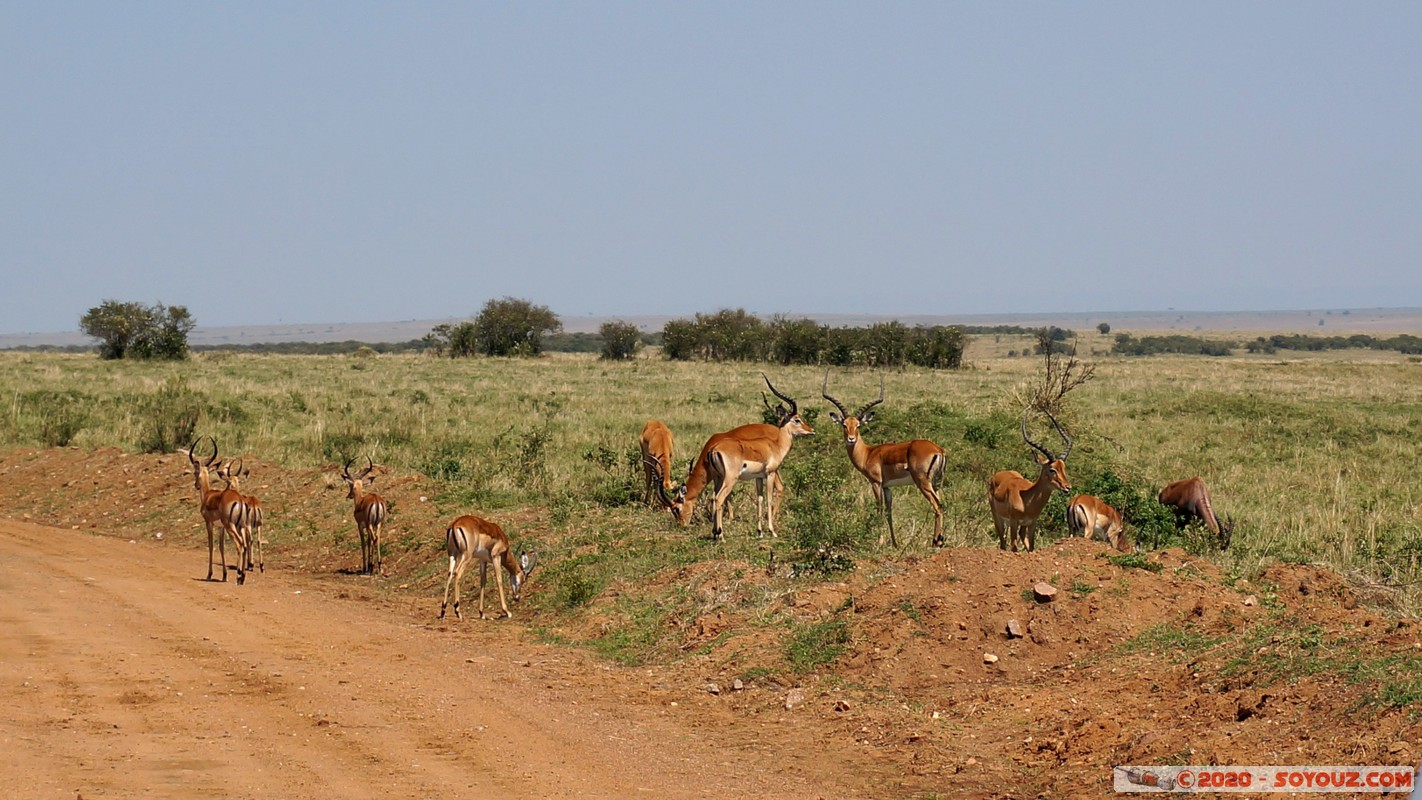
x=918 y=462
x=1093 y=517
x=470 y=537
x=751 y=451
x=370 y=513
x=252 y=519
x=656 y=445
x=1016 y=502
x=222 y=507
x=1191 y=501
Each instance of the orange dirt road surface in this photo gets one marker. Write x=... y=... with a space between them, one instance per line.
x=123 y=674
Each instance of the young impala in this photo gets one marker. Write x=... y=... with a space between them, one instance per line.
x=370 y=513
x=1091 y=517
x=469 y=538
x=224 y=508
x=751 y=451
x=1017 y=502
x=918 y=462
x=656 y=443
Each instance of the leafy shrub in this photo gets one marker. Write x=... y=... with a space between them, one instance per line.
x=171 y=417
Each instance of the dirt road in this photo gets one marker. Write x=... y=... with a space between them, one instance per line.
x=123 y=674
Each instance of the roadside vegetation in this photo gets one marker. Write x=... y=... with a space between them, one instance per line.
x=1312 y=458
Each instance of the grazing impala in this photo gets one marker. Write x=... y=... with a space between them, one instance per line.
x=751 y=451
x=656 y=449
x=370 y=512
x=220 y=507
x=252 y=519
x=470 y=537
x=1091 y=516
x=1191 y=501
x=918 y=462
x=1017 y=502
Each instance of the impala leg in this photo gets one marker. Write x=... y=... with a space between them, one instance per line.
x=925 y=486
x=209 y=551
x=759 y=506
x=483 y=581
x=499 y=579
x=777 y=494
x=889 y=512
x=1001 y=533
x=379 y=557
x=448 y=581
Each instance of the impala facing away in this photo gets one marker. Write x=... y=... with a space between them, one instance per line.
x=918 y=462
x=656 y=444
x=222 y=507
x=370 y=512
x=1017 y=502
x=750 y=451
x=470 y=537
x=252 y=519
x=1091 y=516
x=1191 y=501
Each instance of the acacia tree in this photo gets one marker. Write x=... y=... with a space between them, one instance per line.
x=513 y=327
x=134 y=330
x=620 y=340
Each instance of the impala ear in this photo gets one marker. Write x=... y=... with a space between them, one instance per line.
x=527 y=561
x=835 y=415
x=867 y=418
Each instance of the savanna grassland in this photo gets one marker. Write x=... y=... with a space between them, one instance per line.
x=1303 y=625
x=1313 y=457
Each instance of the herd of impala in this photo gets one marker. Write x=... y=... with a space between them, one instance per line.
x=755 y=451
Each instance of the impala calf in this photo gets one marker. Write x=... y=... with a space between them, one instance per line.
x=751 y=451
x=1191 y=501
x=469 y=538
x=1016 y=502
x=918 y=462
x=1091 y=517
x=656 y=443
x=223 y=508
x=370 y=512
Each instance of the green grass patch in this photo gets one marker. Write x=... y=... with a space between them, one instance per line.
x=816 y=644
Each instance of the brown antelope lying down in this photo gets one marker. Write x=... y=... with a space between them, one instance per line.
x=1191 y=501
x=1092 y=517
x=469 y=538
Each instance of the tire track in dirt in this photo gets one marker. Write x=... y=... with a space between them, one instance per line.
x=123 y=674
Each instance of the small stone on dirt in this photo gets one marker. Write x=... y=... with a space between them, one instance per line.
x=713 y=688
x=1044 y=592
x=737 y=685
x=989 y=658
x=1251 y=600
x=1015 y=629
x=794 y=698
x=841 y=705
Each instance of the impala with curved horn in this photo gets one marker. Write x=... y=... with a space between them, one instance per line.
x=753 y=451
x=370 y=512
x=252 y=519
x=223 y=507
x=918 y=462
x=1017 y=502
x=656 y=443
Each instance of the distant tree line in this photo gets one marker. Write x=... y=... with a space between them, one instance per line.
x=1128 y=345
x=735 y=335
x=1404 y=343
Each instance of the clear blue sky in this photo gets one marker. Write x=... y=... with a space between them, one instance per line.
x=264 y=162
